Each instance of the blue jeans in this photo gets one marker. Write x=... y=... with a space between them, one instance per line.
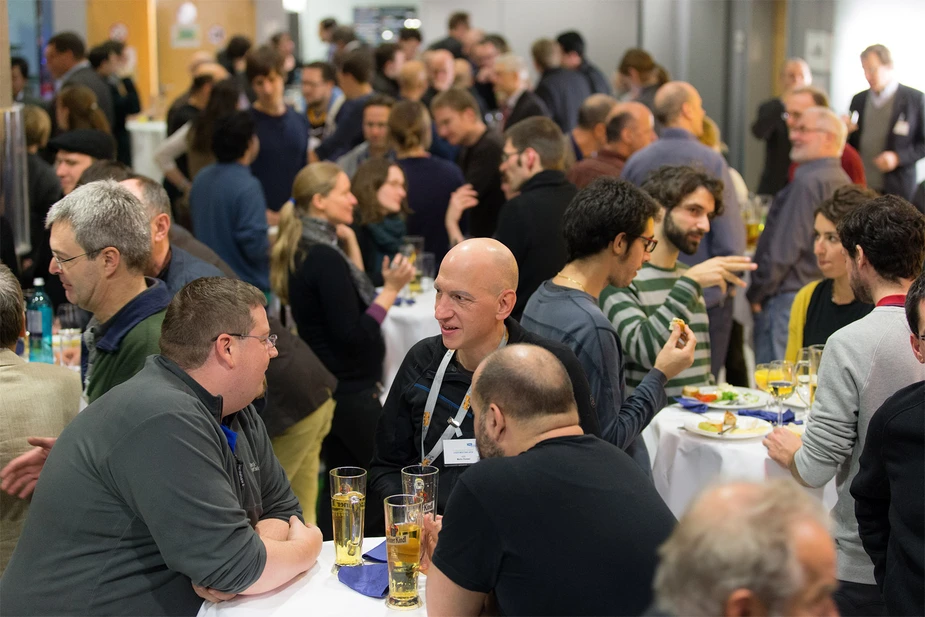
x=772 y=327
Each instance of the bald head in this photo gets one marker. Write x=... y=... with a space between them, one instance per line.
x=483 y=260
x=527 y=383
x=796 y=74
x=216 y=70
x=412 y=78
x=594 y=110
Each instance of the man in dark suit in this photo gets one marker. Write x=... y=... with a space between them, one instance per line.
x=515 y=100
x=562 y=90
x=573 y=57
x=530 y=223
x=65 y=56
x=887 y=126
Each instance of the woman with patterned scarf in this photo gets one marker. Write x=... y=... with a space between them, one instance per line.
x=316 y=267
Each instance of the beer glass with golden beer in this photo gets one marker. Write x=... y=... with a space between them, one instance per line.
x=404 y=530
x=348 y=511
x=421 y=480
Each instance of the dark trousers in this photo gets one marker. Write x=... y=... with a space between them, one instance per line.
x=858 y=600
x=350 y=444
x=736 y=371
x=720 y=332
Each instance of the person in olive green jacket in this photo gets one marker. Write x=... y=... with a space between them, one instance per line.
x=100 y=244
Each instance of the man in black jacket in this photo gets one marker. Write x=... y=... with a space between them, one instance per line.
x=562 y=90
x=515 y=100
x=890 y=483
x=530 y=223
x=887 y=126
x=573 y=58
x=426 y=416
x=65 y=56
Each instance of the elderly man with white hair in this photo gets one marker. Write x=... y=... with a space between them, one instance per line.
x=748 y=549
x=785 y=251
x=511 y=82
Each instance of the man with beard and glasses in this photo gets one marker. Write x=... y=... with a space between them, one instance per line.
x=542 y=478
x=165 y=490
x=665 y=288
x=863 y=364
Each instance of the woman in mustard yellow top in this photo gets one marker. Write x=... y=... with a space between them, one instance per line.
x=822 y=307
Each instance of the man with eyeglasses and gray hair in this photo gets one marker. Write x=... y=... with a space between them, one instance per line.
x=748 y=549
x=165 y=490
x=101 y=245
x=785 y=257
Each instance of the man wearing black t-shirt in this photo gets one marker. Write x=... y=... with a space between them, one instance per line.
x=456 y=114
x=553 y=521
x=426 y=415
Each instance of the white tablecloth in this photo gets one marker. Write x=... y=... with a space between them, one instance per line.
x=684 y=463
x=404 y=326
x=317 y=593
x=146 y=137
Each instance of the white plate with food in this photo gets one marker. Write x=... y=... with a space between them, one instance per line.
x=727 y=425
x=729 y=397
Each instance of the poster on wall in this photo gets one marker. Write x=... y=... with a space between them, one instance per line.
x=819 y=50
x=184 y=33
x=381 y=24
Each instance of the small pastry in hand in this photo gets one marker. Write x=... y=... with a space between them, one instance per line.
x=682 y=327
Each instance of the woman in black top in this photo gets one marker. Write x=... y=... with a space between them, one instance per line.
x=822 y=307
x=317 y=268
x=382 y=206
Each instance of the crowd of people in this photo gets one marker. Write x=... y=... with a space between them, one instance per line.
x=590 y=242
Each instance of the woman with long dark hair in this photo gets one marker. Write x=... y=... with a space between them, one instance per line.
x=382 y=207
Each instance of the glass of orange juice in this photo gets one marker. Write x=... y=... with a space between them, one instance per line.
x=761 y=376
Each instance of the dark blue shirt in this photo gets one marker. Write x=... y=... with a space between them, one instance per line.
x=229 y=216
x=184 y=268
x=430 y=182
x=348 y=132
x=283 y=152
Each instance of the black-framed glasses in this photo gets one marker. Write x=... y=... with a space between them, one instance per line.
x=921 y=337
x=61 y=262
x=269 y=340
x=505 y=156
x=650 y=245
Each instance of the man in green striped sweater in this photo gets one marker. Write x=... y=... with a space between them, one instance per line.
x=665 y=289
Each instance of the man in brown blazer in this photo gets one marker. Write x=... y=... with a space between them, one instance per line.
x=35 y=399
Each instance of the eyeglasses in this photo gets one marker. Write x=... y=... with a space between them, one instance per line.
x=505 y=156
x=787 y=116
x=269 y=340
x=805 y=129
x=921 y=337
x=651 y=243
x=61 y=262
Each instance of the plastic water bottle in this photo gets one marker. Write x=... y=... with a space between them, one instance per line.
x=39 y=317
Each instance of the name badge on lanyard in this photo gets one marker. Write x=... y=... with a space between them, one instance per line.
x=463 y=454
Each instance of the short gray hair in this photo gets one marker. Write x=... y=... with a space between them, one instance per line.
x=11 y=308
x=829 y=121
x=748 y=544
x=104 y=214
x=510 y=63
x=670 y=100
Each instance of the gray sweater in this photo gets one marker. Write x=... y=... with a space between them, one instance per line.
x=573 y=317
x=864 y=363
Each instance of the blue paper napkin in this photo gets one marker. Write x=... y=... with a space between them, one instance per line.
x=378 y=554
x=691 y=404
x=770 y=416
x=369 y=579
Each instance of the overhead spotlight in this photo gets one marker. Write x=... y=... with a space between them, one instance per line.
x=412 y=23
x=387 y=35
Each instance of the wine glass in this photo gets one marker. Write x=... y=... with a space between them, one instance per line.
x=780 y=384
x=761 y=376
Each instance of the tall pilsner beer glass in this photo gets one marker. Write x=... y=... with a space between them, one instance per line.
x=348 y=511
x=404 y=530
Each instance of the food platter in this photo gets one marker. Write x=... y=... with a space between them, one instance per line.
x=732 y=397
x=745 y=428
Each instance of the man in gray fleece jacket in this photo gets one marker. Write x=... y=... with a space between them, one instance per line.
x=861 y=367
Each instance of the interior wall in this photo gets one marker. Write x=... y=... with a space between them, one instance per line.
x=760 y=86
x=229 y=16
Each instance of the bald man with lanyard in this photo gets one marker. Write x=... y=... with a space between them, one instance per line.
x=427 y=417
